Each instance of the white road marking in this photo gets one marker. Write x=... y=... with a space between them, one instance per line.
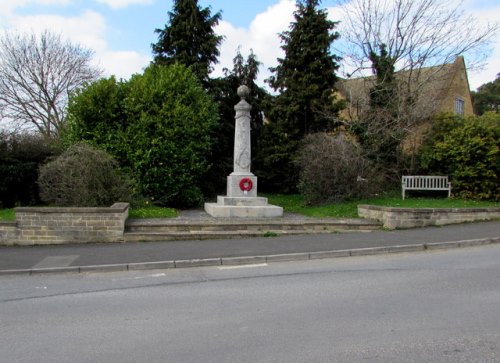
x=242 y=266
x=140 y=277
x=158 y=275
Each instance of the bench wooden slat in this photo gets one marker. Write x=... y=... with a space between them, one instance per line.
x=425 y=182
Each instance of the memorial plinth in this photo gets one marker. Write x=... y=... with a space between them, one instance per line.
x=241 y=200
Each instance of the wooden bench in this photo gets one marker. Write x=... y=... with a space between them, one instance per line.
x=421 y=182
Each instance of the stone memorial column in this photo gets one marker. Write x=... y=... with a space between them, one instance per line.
x=241 y=200
x=241 y=182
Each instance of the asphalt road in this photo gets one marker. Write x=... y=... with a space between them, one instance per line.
x=54 y=256
x=422 y=307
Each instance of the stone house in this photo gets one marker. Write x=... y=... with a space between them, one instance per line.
x=438 y=89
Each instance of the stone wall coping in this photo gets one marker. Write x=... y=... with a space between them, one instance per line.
x=394 y=218
x=115 y=208
x=8 y=224
x=430 y=210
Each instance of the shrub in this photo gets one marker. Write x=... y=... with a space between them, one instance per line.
x=96 y=114
x=275 y=161
x=20 y=156
x=333 y=169
x=466 y=149
x=157 y=124
x=83 y=176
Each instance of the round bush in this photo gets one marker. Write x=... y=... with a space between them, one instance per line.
x=333 y=169
x=83 y=176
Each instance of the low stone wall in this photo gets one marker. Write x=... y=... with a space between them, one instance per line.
x=8 y=233
x=395 y=218
x=37 y=226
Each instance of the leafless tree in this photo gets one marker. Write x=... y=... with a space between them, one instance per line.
x=416 y=33
x=37 y=74
x=419 y=40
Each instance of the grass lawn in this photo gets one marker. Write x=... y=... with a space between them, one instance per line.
x=152 y=211
x=7 y=215
x=142 y=212
x=295 y=204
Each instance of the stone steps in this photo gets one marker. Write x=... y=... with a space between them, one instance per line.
x=178 y=229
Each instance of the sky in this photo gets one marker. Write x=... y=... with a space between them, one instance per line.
x=121 y=31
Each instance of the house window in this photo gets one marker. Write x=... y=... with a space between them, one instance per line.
x=459 y=106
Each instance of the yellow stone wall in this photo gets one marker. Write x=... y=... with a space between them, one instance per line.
x=459 y=88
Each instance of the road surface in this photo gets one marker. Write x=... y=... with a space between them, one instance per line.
x=422 y=307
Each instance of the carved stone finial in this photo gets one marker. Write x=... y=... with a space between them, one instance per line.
x=243 y=91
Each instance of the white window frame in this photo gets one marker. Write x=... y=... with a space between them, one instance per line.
x=459 y=106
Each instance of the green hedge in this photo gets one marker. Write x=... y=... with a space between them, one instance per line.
x=20 y=156
x=466 y=149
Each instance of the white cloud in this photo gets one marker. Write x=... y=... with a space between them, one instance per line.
x=88 y=29
x=118 y=4
x=262 y=36
x=122 y=64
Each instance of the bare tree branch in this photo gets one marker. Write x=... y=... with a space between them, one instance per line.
x=418 y=33
x=37 y=75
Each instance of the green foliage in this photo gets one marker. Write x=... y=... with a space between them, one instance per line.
x=83 y=176
x=305 y=77
x=487 y=97
x=20 y=156
x=270 y=234
x=151 y=211
x=333 y=169
x=97 y=113
x=173 y=118
x=384 y=93
x=468 y=150
x=7 y=215
x=158 y=125
x=275 y=160
x=189 y=38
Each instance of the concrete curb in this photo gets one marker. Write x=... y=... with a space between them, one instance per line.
x=249 y=260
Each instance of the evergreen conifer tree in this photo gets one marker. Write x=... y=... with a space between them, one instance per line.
x=305 y=80
x=189 y=38
x=305 y=77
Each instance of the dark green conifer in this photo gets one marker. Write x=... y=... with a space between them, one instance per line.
x=189 y=38
x=305 y=77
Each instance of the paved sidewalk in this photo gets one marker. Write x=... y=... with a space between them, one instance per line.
x=151 y=255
